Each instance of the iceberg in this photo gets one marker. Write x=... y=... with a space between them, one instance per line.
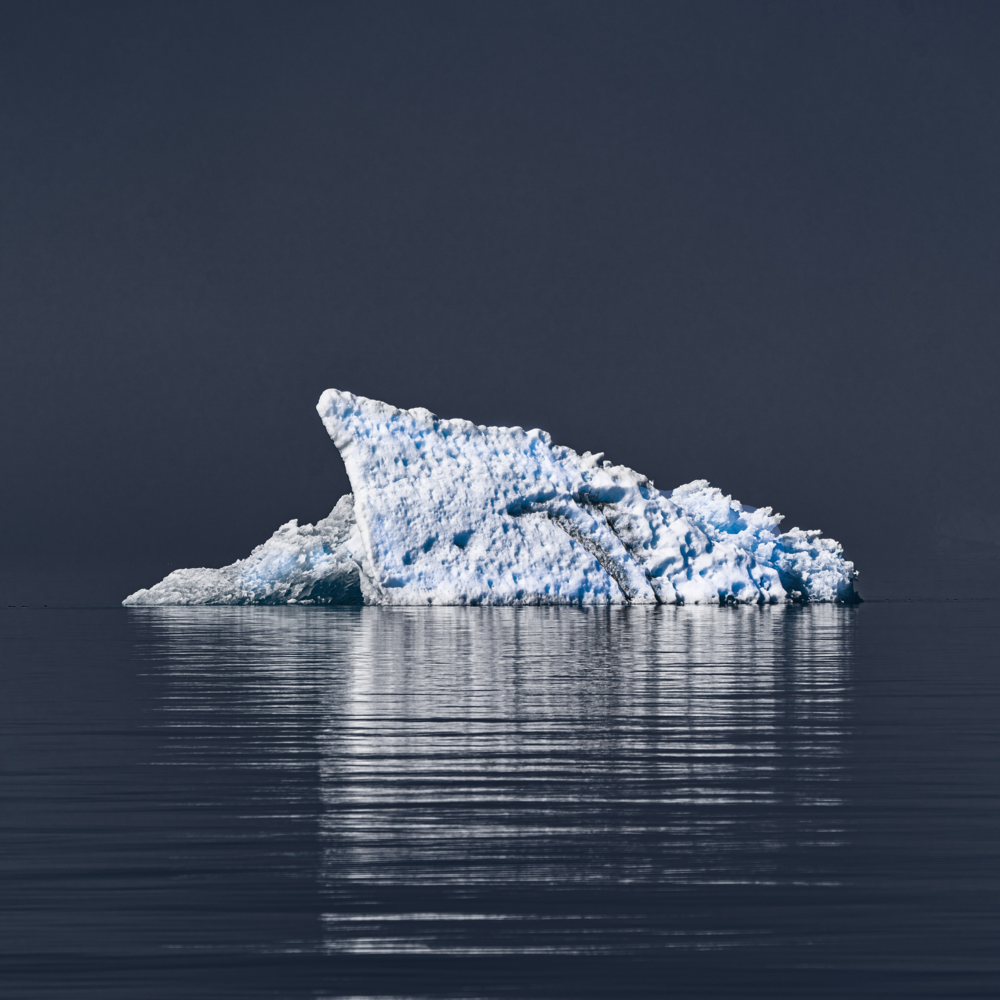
x=444 y=511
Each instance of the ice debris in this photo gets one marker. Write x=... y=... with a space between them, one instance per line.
x=448 y=512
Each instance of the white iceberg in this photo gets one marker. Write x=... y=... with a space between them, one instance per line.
x=448 y=512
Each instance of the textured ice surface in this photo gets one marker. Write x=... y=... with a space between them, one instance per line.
x=313 y=564
x=448 y=512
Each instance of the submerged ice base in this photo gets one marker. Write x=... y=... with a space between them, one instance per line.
x=448 y=512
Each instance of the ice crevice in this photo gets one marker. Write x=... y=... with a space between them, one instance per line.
x=449 y=512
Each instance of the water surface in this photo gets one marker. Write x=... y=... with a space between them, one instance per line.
x=363 y=802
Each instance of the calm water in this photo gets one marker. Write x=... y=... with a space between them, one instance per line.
x=384 y=803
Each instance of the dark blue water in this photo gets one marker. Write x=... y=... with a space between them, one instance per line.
x=280 y=802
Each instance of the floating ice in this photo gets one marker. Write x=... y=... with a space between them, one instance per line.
x=448 y=512
x=313 y=564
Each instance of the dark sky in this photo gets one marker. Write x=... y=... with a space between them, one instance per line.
x=757 y=243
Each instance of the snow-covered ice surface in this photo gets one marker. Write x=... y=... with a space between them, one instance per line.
x=448 y=512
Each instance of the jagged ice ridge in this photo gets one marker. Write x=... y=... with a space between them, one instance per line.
x=448 y=512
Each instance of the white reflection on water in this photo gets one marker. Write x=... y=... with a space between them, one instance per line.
x=538 y=780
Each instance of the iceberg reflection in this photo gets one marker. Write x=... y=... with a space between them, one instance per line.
x=542 y=779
